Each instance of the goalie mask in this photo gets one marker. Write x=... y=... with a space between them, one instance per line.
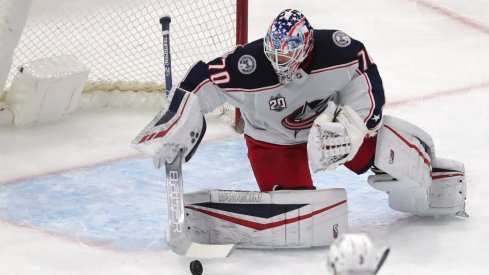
x=287 y=43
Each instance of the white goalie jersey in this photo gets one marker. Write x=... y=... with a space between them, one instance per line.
x=338 y=69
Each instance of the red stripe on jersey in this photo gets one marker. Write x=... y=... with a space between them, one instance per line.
x=233 y=90
x=196 y=90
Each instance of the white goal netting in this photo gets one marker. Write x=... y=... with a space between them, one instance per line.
x=120 y=41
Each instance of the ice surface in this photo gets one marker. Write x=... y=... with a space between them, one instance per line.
x=76 y=199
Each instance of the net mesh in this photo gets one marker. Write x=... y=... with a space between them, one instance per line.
x=120 y=41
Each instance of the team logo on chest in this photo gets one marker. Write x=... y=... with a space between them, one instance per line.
x=246 y=64
x=304 y=117
x=277 y=103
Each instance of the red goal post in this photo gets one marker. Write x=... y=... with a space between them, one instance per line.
x=241 y=39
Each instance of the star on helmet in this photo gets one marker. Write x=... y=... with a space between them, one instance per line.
x=288 y=42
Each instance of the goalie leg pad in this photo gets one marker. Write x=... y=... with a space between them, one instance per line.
x=401 y=154
x=417 y=182
x=448 y=188
x=278 y=219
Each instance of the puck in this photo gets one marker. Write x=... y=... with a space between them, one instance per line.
x=196 y=267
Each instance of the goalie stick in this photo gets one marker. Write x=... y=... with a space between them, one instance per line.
x=165 y=27
x=177 y=238
x=383 y=257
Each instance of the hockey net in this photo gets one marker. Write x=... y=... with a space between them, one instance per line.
x=121 y=41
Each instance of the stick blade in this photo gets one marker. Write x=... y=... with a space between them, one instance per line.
x=206 y=251
x=182 y=245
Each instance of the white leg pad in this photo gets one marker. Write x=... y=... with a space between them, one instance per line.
x=402 y=155
x=417 y=182
x=278 y=219
x=403 y=196
x=448 y=188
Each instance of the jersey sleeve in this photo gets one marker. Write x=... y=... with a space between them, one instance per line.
x=202 y=83
x=365 y=92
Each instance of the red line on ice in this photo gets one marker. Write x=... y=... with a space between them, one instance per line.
x=453 y=15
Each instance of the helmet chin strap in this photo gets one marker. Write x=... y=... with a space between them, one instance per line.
x=285 y=79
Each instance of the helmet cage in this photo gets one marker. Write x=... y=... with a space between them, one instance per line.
x=292 y=53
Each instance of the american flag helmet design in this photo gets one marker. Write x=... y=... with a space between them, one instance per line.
x=288 y=42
